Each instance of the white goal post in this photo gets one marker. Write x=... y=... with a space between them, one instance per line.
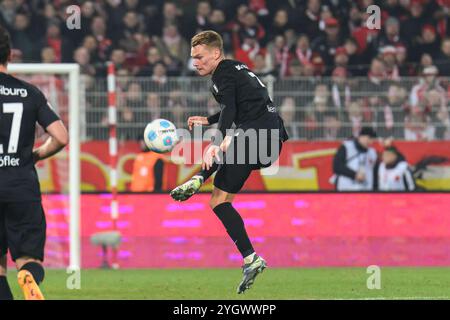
x=72 y=70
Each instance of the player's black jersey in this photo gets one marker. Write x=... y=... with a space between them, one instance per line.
x=21 y=106
x=243 y=99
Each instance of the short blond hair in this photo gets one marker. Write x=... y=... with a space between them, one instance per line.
x=208 y=38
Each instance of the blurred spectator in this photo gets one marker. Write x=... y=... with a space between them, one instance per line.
x=354 y=163
x=24 y=38
x=428 y=42
x=153 y=57
x=302 y=50
x=405 y=69
x=309 y=20
x=443 y=58
x=341 y=58
x=417 y=125
x=356 y=63
x=376 y=81
x=247 y=52
x=332 y=127
x=177 y=106
x=8 y=10
x=394 y=9
x=199 y=22
x=159 y=81
x=427 y=102
x=280 y=23
x=390 y=36
x=129 y=27
x=90 y=43
x=251 y=28
x=83 y=58
x=261 y=66
x=132 y=111
x=354 y=118
x=295 y=68
x=217 y=22
x=426 y=60
x=48 y=55
x=326 y=44
x=288 y=113
x=389 y=117
x=393 y=173
x=340 y=89
x=412 y=26
x=315 y=114
x=118 y=58
x=153 y=104
x=105 y=45
x=287 y=110
x=171 y=14
x=173 y=45
x=280 y=55
x=389 y=56
x=62 y=46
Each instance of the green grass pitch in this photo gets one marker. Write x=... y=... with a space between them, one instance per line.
x=298 y=283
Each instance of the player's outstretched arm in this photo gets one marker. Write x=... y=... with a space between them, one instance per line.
x=58 y=139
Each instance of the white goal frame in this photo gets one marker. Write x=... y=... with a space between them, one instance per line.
x=73 y=72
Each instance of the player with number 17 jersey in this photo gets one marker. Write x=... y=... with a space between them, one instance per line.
x=21 y=106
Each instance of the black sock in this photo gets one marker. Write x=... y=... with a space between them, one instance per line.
x=5 y=290
x=235 y=227
x=36 y=270
x=207 y=173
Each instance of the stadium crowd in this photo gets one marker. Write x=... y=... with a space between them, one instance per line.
x=333 y=74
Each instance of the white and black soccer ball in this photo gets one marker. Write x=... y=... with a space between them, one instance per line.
x=160 y=136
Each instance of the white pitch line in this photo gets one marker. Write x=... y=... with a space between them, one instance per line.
x=397 y=298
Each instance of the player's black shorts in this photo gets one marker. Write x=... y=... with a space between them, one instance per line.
x=230 y=177
x=22 y=229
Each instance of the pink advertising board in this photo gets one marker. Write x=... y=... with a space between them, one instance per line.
x=288 y=229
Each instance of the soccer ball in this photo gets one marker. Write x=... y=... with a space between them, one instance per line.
x=160 y=136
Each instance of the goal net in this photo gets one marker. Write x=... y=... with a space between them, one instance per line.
x=60 y=175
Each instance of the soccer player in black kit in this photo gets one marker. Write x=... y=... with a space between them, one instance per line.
x=22 y=219
x=244 y=100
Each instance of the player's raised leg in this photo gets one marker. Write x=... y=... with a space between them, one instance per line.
x=221 y=203
x=31 y=274
x=193 y=185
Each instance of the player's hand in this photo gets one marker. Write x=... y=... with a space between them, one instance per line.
x=208 y=157
x=197 y=120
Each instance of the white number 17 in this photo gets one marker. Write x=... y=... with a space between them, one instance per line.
x=17 y=110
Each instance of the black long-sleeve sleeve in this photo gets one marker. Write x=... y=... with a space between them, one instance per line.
x=214 y=118
x=340 y=164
